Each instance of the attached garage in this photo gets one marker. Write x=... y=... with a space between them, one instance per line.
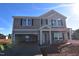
x=26 y=39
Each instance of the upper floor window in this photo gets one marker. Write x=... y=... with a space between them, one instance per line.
x=26 y=22
x=57 y=23
x=29 y=22
x=53 y=23
x=23 y=22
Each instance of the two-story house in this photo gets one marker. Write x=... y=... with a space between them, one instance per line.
x=44 y=29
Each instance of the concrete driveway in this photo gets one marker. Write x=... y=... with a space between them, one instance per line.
x=74 y=42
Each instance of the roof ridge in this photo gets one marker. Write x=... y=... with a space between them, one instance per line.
x=49 y=13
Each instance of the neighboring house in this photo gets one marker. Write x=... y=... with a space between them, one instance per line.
x=69 y=33
x=5 y=40
x=2 y=36
x=44 y=29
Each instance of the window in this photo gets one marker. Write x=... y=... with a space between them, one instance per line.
x=29 y=22
x=23 y=22
x=27 y=38
x=58 y=36
x=57 y=23
x=55 y=36
x=60 y=23
x=26 y=22
x=53 y=23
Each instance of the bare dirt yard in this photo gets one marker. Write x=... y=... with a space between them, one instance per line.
x=71 y=50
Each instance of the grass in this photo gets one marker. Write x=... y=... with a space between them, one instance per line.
x=5 y=44
x=2 y=48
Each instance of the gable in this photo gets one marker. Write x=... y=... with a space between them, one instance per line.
x=56 y=16
x=53 y=14
x=48 y=13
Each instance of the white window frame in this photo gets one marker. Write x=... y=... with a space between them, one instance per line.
x=30 y=22
x=25 y=22
x=53 y=21
x=58 y=35
x=58 y=23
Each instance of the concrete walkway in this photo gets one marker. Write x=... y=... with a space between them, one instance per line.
x=24 y=51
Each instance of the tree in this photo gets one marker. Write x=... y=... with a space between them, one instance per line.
x=9 y=36
x=75 y=35
x=2 y=36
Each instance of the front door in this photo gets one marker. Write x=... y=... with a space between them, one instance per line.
x=45 y=37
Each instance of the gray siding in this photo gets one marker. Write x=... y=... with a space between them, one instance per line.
x=56 y=16
x=17 y=24
x=36 y=22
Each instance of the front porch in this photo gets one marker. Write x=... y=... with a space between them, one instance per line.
x=48 y=36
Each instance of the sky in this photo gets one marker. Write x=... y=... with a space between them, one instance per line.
x=7 y=10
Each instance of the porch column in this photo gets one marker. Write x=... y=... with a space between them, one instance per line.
x=13 y=38
x=40 y=37
x=65 y=36
x=50 y=37
x=70 y=34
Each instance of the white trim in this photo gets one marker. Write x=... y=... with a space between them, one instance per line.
x=43 y=38
x=40 y=37
x=41 y=29
x=26 y=24
x=45 y=26
x=50 y=37
x=49 y=22
x=13 y=38
x=45 y=29
x=25 y=29
x=70 y=33
x=26 y=33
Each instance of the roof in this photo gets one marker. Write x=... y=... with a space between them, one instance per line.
x=50 y=12
x=24 y=16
